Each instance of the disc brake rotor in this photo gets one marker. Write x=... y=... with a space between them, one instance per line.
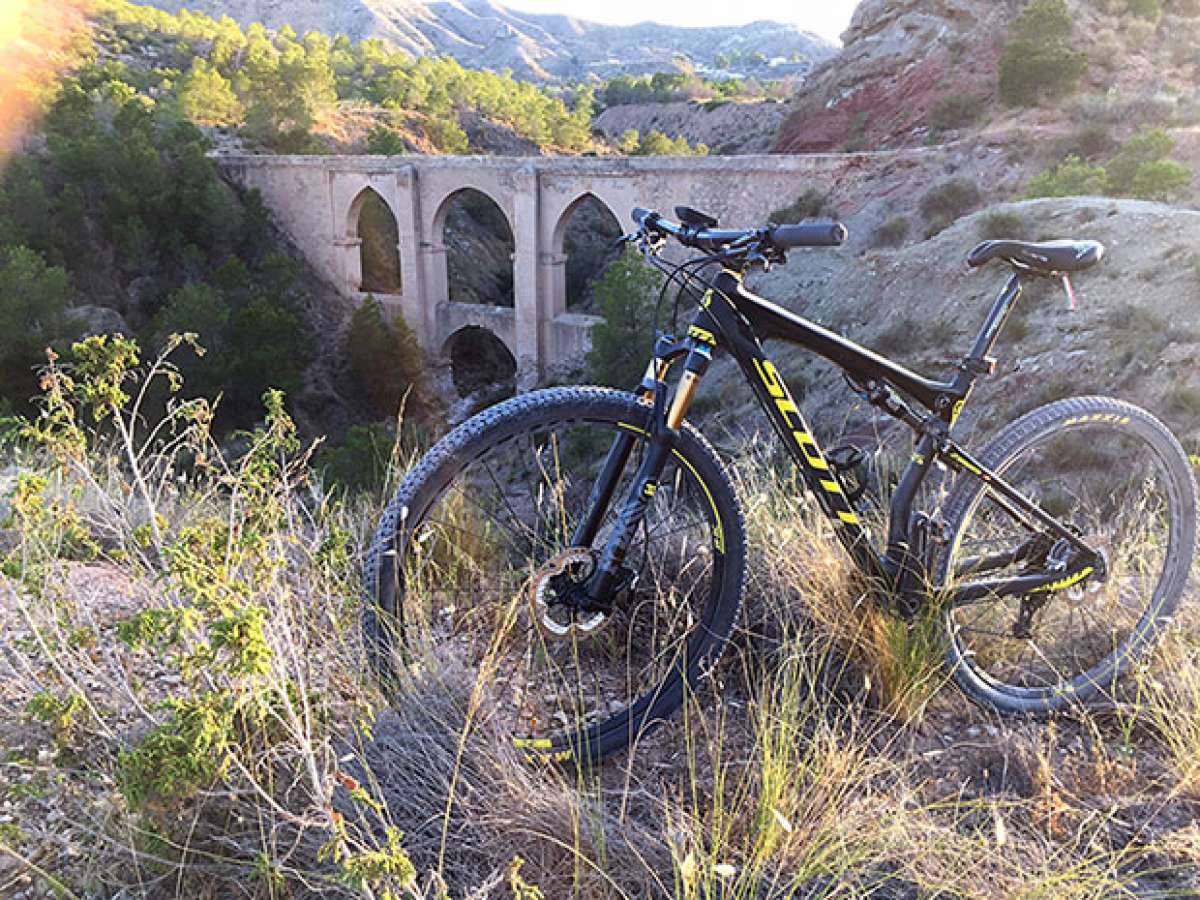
x=552 y=595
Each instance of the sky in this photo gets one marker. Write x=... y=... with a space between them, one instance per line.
x=828 y=18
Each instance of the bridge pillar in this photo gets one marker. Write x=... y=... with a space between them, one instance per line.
x=526 y=295
x=348 y=250
x=553 y=280
x=407 y=210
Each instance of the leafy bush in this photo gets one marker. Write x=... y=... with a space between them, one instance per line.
x=1092 y=141
x=949 y=200
x=1069 y=178
x=655 y=143
x=385 y=141
x=1141 y=169
x=999 y=225
x=250 y=322
x=386 y=359
x=1038 y=62
x=1151 y=10
x=809 y=205
x=207 y=97
x=33 y=302
x=362 y=461
x=954 y=111
x=1161 y=179
x=892 y=232
x=1184 y=400
x=621 y=344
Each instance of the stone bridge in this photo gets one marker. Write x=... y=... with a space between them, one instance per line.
x=317 y=201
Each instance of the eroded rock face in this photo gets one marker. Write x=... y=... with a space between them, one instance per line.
x=900 y=59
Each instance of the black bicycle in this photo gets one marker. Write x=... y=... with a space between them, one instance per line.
x=578 y=553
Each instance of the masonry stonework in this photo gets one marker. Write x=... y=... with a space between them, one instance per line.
x=316 y=201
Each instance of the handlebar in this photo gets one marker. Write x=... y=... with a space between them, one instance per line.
x=772 y=237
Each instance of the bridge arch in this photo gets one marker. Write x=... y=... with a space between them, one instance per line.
x=372 y=226
x=479 y=273
x=578 y=259
x=480 y=363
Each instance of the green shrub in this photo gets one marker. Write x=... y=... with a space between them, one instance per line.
x=656 y=143
x=1151 y=10
x=954 y=111
x=1092 y=141
x=809 y=205
x=1184 y=400
x=383 y=140
x=207 y=97
x=386 y=360
x=892 y=232
x=1038 y=62
x=950 y=199
x=621 y=344
x=1069 y=178
x=999 y=225
x=33 y=303
x=1141 y=169
x=1137 y=333
x=362 y=460
x=1147 y=146
x=447 y=135
x=1163 y=179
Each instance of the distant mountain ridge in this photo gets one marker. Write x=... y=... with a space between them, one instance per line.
x=485 y=35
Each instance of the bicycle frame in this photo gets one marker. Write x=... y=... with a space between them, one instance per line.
x=734 y=319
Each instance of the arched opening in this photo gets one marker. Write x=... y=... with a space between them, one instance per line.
x=379 y=250
x=588 y=232
x=479 y=249
x=481 y=364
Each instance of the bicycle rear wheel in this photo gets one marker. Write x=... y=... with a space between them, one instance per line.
x=1114 y=474
x=473 y=570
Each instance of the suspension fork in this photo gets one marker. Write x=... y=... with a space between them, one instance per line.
x=664 y=433
x=616 y=460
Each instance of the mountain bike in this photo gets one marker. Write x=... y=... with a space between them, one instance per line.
x=579 y=553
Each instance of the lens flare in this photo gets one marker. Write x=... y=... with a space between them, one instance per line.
x=38 y=40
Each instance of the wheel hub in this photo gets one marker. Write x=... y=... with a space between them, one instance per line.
x=556 y=596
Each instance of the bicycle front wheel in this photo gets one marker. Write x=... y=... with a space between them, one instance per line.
x=475 y=570
x=1113 y=474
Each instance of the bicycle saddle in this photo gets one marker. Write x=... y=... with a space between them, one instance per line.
x=1047 y=257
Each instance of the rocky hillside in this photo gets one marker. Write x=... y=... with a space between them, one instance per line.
x=485 y=35
x=898 y=59
x=918 y=71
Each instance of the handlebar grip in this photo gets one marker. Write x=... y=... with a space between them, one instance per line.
x=809 y=234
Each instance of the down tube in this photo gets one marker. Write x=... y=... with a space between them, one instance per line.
x=785 y=416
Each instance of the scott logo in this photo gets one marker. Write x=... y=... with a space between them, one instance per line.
x=809 y=448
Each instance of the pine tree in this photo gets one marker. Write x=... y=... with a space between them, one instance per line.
x=621 y=344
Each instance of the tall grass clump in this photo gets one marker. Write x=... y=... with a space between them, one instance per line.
x=806 y=584
x=221 y=590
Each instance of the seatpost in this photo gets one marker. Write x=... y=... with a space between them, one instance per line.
x=980 y=361
x=986 y=340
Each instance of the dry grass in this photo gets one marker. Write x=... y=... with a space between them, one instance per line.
x=822 y=759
